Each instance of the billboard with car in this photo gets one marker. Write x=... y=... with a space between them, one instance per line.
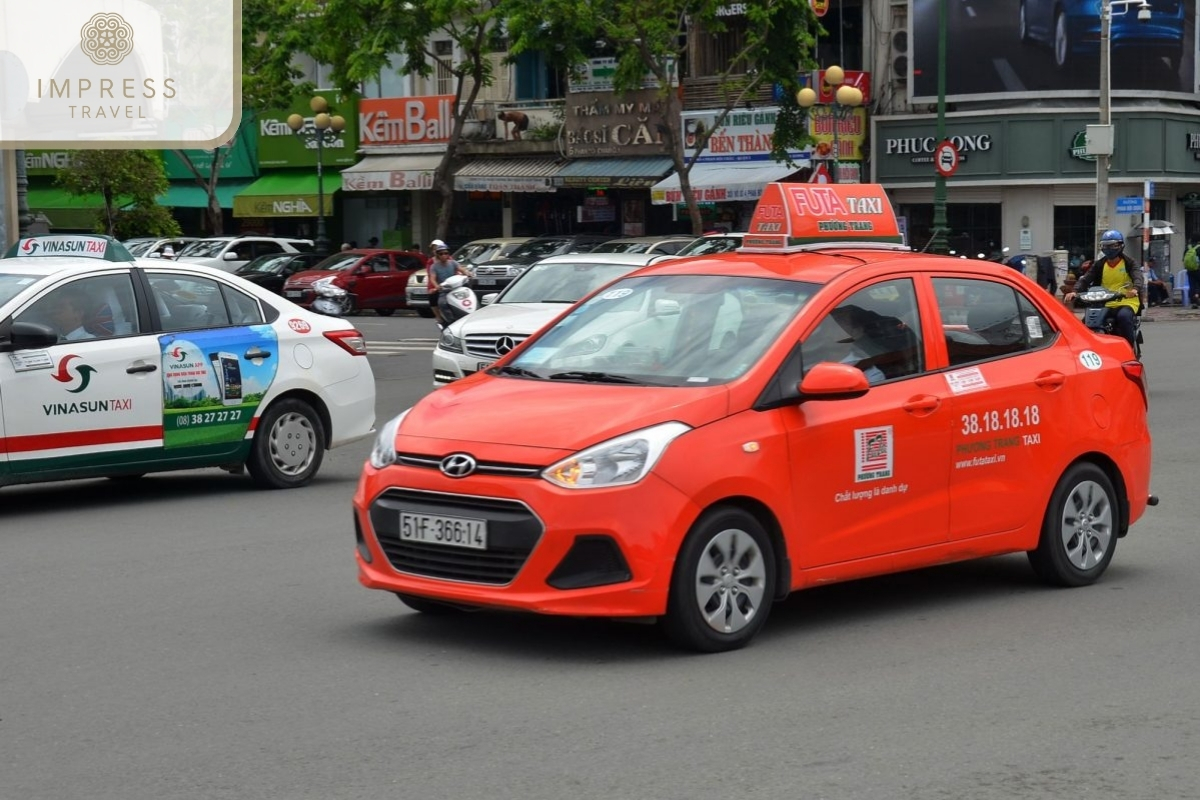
x=1031 y=49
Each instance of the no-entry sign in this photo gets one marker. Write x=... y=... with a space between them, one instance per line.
x=945 y=159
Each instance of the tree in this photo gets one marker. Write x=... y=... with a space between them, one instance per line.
x=214 y=217
x=130 y=182
x=651 y=37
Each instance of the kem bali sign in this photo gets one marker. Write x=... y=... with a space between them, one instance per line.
x=139 y=73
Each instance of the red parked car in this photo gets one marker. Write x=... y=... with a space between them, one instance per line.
x=374 y=279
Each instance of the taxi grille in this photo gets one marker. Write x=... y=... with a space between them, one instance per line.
x=485 y=345
x=512 y=529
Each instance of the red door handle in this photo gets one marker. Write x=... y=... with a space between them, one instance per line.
x=1050 y=381
x=922 y=404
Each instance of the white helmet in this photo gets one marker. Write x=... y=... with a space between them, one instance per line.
x=438 y=244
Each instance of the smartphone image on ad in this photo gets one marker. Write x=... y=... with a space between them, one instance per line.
x=229 y=377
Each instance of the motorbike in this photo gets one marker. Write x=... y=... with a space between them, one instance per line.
x=456 y=300
x=333 y=301
x=1096 y=317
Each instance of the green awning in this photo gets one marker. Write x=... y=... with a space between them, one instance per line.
x=286 y=194
x=188 y=194
x=65 y=211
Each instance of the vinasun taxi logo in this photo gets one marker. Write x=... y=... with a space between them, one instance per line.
x=77 y=378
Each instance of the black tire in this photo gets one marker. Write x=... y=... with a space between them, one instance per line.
x=385 y=312
x=427 y=313
x=1080 y=529
x=430 y=607
x=723 y=584
x=1061 y=42
x=288 y=446
x=1023 y=25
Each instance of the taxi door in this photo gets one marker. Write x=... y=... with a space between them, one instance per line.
x=869 y=473
x=1008 y=376
x=92 y=403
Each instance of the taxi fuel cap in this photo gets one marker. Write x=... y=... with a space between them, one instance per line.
x=791 y=217
x=103 y=248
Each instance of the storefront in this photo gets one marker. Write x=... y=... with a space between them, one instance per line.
x=1025 y=181
x=614 y=193
x=389 y=193
x=288 y=197
x=508 y=197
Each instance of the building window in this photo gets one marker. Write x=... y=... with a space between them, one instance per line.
x=1075 y=232
x=718 y=50
x=442 y=68
x=537 y=80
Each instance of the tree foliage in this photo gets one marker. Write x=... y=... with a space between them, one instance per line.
x=130 y=182
x=652 y=36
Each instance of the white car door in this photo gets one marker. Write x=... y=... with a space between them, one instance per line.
x=92 y=403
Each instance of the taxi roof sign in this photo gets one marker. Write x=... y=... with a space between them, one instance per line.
x=103 y=248
x=791 y=217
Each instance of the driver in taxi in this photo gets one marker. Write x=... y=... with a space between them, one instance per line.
x=68 y=312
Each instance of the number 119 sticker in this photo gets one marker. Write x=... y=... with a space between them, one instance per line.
x=1090 y=359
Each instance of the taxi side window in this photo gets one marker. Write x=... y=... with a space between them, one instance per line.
x=243 y=309
x=100 y=307
x=877 y=329
x=186 y=302
x=982 y=319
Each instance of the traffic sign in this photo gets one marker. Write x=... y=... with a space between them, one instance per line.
x=820 y=174
x=945 y=159
x=1130 y=204
x=819 y=7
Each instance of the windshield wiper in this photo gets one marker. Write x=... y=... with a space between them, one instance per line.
x=568 y=302
x=520 y=372
x=598 y=377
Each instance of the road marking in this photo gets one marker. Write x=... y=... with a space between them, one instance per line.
x=400 y=347
x=1008 y=75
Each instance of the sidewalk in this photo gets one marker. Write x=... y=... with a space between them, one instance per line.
x=1170 y=313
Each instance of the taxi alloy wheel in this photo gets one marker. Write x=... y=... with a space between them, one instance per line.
x=723 y=585
x=1080 y=530
x=288 y=447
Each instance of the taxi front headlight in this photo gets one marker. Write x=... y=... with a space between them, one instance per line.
x=383 y=454
x=450 y=341
x=617 y=462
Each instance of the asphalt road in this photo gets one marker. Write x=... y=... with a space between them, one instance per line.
x=188 y=636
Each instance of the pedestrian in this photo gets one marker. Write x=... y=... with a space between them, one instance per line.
x=441 y=270
x=373 y=242
x=1045 y=274
x=345 y=246
x=1156 y=289
x=1191 y=263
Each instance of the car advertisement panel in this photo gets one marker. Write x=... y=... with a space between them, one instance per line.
x=1051 y=49
x=213 y=383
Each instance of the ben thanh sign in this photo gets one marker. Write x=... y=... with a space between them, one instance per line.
x=141 y=73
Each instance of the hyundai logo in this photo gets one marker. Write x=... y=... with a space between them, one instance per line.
x=505 y=344
x=458 y=465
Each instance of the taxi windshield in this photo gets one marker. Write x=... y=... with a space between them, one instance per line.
x=12 y=284
x=561 y=283
x=672 y=330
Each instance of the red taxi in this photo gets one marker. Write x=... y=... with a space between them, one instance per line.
x=704 y=436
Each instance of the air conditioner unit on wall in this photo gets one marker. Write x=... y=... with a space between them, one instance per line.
x=900 y=57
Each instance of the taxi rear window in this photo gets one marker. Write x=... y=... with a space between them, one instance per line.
x=11 y=285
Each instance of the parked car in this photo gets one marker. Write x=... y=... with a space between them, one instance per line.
x=270 y=271
x=230 y=252
x=534 y=298
x=153 y=247
x=498 y=273
x=654 y=245
x=374 y=279
x=116 y=366
x=479 y=251
x=702 y=437
x=1072 y=29
x=711 y=244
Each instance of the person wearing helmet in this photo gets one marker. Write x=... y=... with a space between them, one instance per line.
x=1119 y=273
x=442 y=268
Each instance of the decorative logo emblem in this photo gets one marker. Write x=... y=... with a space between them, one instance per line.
x=106 y=39
x=63 y=375
x=29 y=247
x=459 y=465
x=178 y=353
x=505 y=344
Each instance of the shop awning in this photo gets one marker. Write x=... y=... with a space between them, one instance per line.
x=65 y=211
x=635 y=173
x=507 y=175
x=286 y=194
x=723 y=182
x=391 y=173
x=189 y=194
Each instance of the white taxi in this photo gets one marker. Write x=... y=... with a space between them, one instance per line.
x=113 y=366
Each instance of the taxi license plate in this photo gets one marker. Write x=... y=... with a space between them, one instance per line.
x=443 y=531
x=485 y=281
x=293 y=294
x=482 y=365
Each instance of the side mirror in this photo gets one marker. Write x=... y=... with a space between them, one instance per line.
x=666 y=308
x=29 y=336
x=488 y=299
x=231 y=256
x=830 y=381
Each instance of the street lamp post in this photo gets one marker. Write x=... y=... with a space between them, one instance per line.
x=1102 y=144
x=845 y=100
x=325 y=130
